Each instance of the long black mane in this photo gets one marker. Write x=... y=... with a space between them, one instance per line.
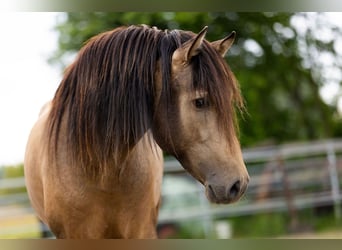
x=106 y=97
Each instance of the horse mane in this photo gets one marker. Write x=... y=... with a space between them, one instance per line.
x=105 y=100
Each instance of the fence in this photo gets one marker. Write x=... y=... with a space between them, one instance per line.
x=283 y=178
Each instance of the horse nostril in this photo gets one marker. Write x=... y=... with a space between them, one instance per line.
x=234 y=191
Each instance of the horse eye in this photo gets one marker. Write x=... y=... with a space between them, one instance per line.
x=201 y=103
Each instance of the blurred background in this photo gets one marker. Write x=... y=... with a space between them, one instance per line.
x=289 y=69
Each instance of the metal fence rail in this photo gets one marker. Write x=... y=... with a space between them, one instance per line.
x=289 y=177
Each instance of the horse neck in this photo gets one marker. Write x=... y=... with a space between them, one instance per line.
x=144 y=163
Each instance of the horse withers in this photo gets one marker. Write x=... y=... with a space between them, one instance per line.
x=93 y=162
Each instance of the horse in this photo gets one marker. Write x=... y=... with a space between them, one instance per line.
x=94 y=158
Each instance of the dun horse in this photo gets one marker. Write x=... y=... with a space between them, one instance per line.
x=93 y=161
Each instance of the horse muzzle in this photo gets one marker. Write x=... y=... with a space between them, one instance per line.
x=224 y=194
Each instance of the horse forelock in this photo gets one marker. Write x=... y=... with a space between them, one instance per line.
x=106 y=98
x=212 y=74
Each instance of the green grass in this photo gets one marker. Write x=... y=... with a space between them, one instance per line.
x=278 y=224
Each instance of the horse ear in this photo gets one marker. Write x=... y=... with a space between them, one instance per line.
x=222 y=46
x=190 y=48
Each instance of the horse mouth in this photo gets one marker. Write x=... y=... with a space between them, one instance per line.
x=223 y=195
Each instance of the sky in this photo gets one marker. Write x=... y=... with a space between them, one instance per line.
x=27 y=81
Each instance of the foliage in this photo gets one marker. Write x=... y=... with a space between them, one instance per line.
x=276 y=63
x=7 y=172
x=259 y=225
x=277 y=224
x=12 y=171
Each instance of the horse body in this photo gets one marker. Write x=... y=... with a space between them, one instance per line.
x=75 y=206
x=93 y=163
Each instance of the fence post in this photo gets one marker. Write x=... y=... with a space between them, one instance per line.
x=289 y=199
x=333 y=174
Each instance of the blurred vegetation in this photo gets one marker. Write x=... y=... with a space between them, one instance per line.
x=276 y=224
x=12 y=171
x=276 y=58
x=267 y=224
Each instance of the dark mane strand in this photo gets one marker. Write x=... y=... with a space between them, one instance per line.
x=107 y=96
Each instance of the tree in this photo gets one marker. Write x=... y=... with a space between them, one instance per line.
x=273 y=60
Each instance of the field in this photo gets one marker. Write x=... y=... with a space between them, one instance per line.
x=19 y=225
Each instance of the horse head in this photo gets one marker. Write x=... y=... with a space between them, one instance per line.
x=201 y=118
